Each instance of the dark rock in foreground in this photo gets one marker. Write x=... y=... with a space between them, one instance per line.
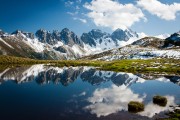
x=135 y=106
x=160 y=100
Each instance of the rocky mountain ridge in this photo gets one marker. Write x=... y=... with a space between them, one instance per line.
x=61 y=45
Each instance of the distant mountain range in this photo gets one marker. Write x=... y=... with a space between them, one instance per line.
x=67 y=45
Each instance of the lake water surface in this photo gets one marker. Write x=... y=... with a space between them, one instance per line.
x=41 y=92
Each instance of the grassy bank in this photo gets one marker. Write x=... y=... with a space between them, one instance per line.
x=7 y=60
x=134 y=66
x=152 y=65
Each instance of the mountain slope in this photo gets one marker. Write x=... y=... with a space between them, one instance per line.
x=44 y=45
x=145 y=48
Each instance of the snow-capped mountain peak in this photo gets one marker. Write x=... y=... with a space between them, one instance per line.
x=99 y=41
x=123 y=35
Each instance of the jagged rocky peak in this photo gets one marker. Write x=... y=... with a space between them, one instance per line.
x=123 y=35
x=56 y=35
x=92 y=36
x=70 y=38
x=48 y=37
x=17 y=32
x=29 y=35
x=65 y=30
x=21 y=33
x=96 y=33
x=66 y=36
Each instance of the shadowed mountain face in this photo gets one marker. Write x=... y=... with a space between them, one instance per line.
x=47 y=37
x=125 y=35
x=70 y=38
x=67 y=75
x=91 y=37
x=66 y=36
x=174 y=39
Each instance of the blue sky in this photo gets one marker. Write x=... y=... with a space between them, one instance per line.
x=83 y=15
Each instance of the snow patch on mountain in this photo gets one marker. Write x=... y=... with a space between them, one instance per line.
x=136 y=52
x=78 y=50
x=35 y=44
x=106 y=44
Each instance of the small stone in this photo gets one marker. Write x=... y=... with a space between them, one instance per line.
x=160 y=100
x=135 y=106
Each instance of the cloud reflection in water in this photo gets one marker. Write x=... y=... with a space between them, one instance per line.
x=106 y=101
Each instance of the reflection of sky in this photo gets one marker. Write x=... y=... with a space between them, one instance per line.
x=106 y=101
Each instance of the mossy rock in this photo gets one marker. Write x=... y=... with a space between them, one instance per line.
x=135 y=106
x=160 y=100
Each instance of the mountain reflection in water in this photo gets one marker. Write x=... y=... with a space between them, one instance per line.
x=87 y=93
x=67 y=75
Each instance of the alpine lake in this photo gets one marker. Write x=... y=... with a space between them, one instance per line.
x=42 y=92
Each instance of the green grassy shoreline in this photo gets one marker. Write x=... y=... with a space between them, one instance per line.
x=133 y=66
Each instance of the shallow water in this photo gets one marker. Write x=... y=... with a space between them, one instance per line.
x=77 y=93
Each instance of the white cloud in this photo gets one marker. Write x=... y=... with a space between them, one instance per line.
x=80 y=19
x=112 y=14
x=164 y=11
